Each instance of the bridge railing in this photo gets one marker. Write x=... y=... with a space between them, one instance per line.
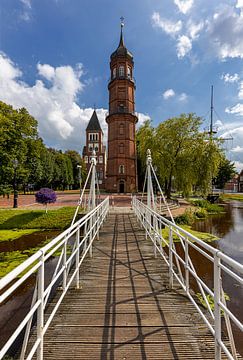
x=69 y=249
x=181 y=268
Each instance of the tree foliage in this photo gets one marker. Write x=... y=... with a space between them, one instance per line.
x=225 y=173
x=185 y=158
x=25 y=160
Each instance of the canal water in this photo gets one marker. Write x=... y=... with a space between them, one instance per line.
x=229 y=228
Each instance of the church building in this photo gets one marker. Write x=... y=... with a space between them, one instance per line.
x=94 y=141
x=121 y=119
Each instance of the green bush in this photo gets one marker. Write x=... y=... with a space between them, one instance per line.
x=185 y=219
x=201 y=213
x=210 y=208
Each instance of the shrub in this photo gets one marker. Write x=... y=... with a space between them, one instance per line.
x=210 y=208
x=185 y=219
x=46 y=196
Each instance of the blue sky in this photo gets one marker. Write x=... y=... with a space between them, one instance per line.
x=54 y=60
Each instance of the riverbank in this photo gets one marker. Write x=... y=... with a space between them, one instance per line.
x=23 y=232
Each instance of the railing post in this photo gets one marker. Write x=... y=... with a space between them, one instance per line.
x=90 y=237
x=77 y=257
x=170 y=258
x=155 y=235
x=40 y=311
x=186 y=267
x=217 y=310
x=64 y=279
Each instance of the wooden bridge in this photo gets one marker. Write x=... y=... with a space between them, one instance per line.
x=124 y=308
x=132 y=297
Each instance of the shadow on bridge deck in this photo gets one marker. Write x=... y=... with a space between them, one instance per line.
x=124 y=309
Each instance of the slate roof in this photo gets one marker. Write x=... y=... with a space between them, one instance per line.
x=94 y=124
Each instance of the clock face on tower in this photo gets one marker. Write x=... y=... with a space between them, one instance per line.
x=121 y=120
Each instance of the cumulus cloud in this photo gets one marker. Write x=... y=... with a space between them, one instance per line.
x=184 y=6
x=169 y=27
x=225 y=31
x=62 y=122
x=236 y=109
x=168 y=94
x=184 y=46
x=230 y=78
x=52 y=100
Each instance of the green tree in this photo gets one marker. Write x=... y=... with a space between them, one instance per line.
x=18 y=130
x=76 y=160
x=226 y=171
x=181 y=153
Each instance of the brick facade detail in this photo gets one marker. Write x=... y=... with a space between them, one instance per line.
x=121 y=120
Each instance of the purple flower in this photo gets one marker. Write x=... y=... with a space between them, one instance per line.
x=45 y=196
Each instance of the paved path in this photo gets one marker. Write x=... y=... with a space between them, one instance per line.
x=125 y=309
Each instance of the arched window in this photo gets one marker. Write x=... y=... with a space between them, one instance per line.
x=86 y=159
x=121 y=129
x=121 y=169
x=101 y=159
x=129 y=75
x=121 y=148
x=114 y=73
x=121 y=71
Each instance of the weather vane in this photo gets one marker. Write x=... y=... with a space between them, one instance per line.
x=122 y=21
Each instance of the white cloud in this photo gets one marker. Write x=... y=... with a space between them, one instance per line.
x=142 y=118
x=183 y=97
x=230 y=78
x=238 y=165
x=194 y=29
x=27 y=3
x=184 y=46
x=61 y=121
x=169 y=27
x=236 y=109
x=168 y=94
x=47 y=71
x=225 y=32
x=238 y=149
x=184 y=6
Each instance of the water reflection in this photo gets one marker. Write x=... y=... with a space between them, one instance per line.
x=229 y=228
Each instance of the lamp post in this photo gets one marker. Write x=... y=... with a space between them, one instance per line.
x=79 y=176
x=15 y=165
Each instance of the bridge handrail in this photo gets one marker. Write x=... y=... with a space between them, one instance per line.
x=91 y=223
x=153 y=223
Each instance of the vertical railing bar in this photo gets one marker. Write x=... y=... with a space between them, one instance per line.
x=40 y=310
x=217 y=309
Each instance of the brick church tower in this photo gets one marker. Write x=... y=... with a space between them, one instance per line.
x=121 y=120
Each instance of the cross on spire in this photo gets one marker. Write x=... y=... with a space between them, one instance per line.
x=122 y=21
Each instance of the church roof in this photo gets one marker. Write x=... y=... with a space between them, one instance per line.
x=122 y=50
x=94 y=124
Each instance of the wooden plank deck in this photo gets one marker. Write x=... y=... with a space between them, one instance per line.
x=125 y=309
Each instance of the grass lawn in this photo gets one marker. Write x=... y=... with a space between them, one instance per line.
x=8 y=235
x=36 y=219
x=225 y=197
x=200 y=235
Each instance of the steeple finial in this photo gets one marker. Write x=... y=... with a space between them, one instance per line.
x=121 y=43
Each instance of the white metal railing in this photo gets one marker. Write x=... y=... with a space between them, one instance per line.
x=70 y=247
x=153 y=224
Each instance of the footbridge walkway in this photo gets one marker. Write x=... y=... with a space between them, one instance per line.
x=122 y=289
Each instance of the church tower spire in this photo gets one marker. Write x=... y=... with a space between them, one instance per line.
x=121 y=120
